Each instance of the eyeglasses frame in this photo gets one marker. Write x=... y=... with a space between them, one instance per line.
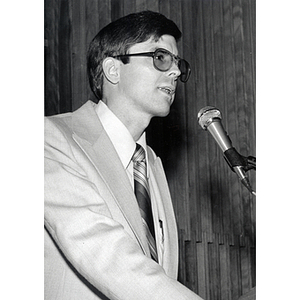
x=175 y=58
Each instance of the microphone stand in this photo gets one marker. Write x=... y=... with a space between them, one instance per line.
x=240 y=165
x=251 y=164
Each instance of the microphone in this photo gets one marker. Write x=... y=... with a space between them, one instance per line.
x=209 y=118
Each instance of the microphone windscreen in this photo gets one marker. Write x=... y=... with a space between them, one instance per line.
x=207 y=114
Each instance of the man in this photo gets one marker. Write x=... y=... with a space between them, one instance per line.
x=101 y=240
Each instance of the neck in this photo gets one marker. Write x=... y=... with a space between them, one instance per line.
x=136 y=122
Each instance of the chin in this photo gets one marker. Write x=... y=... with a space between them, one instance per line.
x=163 y=113
x=162 y=107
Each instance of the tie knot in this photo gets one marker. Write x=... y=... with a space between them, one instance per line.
x=139 y=154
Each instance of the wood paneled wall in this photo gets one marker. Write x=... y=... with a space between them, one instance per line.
x=215 y=213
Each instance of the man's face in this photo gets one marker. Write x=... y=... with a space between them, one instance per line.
x=146 y=89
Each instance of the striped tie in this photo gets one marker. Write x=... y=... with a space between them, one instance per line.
x=141 y=189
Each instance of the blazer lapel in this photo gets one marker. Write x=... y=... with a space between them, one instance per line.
x=90 y=135
x=170 y=227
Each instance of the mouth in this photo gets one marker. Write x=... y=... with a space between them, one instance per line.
x=168 y=90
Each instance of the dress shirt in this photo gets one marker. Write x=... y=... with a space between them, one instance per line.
x=125 y=145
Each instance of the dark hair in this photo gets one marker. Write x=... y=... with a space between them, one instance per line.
x=117 y=37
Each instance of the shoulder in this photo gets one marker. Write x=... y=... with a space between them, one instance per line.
x=57 y=127
x=67 y=122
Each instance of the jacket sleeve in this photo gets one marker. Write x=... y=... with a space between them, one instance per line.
x=97 y=246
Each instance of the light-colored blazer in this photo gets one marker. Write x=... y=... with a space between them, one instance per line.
x=95 y=247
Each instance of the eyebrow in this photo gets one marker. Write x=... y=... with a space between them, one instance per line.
x=157 y=47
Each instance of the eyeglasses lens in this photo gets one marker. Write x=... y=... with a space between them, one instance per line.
x=185 y=70
x=163 y=62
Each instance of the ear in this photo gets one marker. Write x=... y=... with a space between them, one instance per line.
x=111 y=69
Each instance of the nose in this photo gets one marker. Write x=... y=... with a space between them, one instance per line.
x=174 y=70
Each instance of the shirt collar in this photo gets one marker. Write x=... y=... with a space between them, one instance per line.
x=119 y=134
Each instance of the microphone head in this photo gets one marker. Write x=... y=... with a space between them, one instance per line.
x=206 y=116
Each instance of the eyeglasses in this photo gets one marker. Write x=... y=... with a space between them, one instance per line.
x=163 y=60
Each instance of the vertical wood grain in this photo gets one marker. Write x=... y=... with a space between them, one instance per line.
x=79 y=48
x=64 y=57
x=225 y=291
x=51 y=58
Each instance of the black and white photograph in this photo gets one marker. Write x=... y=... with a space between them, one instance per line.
x=150 y=149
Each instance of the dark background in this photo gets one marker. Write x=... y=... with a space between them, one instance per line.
x=215 y=213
